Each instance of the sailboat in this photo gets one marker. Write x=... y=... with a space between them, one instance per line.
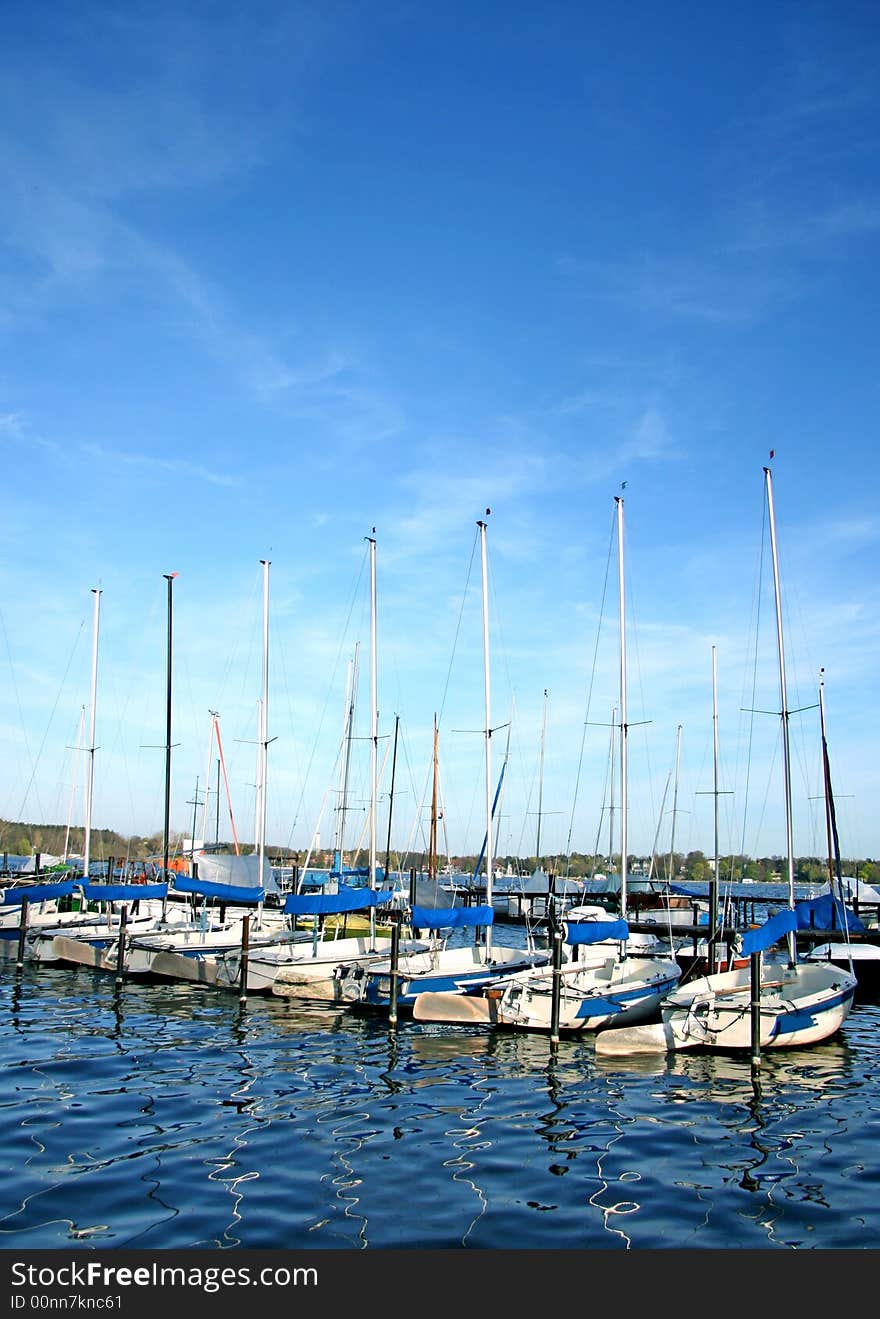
x=104 y=905
x=314 y=967
x=440 y=968
x=161 y=937
x=599 y=985
x=796 y=1002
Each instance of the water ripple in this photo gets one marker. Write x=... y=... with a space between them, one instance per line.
x=167 y=1117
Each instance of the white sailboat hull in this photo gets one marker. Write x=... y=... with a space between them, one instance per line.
x=301 y=960
x=465 y=970
x=799 y=1006
x=593 y=995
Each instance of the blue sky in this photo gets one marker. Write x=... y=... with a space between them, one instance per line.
x=270 y=279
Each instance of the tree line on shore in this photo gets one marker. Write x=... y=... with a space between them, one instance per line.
x=22 y=839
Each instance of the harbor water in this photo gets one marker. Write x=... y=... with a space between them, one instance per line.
x=167 y=1117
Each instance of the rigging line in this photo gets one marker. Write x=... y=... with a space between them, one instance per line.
x=418 y=798
x=458 y=628
x=798 y=704
x=756 y=613
x=590 y=691
x=18 y=703
x=246 y=703
x=330 y=688
x=280 y=660
x=316 y=832
x=609 y=769
x=633 y=641
x=36 y=763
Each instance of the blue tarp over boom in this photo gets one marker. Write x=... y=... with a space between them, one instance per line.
x=826 y=913
x=451 y=918
x=37 y=892
x=755 y=941
x=325 y=904
x=595 y=931
x=234 y=893
x=122 y=892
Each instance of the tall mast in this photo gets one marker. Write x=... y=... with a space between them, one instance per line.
x=391 y=798
x=826 y=779
x=195 y=804
x=222 y=761
x=90 y=771
x=623 y=724
x=611 y=792
x=264 y=723
x=374 y=733
x=671 y=869
x=713 y=885
x=350 y=698
x=169 y=577
x=784 y=711
x=342 y=767
x=216 y=808
x=78 y=745
x=834 y=868
x=541 y=783
x=208 y=780
x=482 y=526
x=432 y=841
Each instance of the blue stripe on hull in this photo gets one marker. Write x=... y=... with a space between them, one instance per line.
x=614 y=1003
x=807 y=1018
x=465 y=982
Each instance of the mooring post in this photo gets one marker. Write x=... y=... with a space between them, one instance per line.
x=120 y=946
x=395 y=952
x=558 y=933
x=22 y=931
x=243 y=969
x=755 y=964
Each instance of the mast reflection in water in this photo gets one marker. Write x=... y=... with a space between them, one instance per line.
x=168 y=1117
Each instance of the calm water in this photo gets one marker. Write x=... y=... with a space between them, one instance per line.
x=164 y=1117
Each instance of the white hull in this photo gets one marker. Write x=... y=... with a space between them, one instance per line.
x=594 y=994
x=304 y=959
x=442 y=970
x=799 y=1006
x=97 y=930
x=142 y=951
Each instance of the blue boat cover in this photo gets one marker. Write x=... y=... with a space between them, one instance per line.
x=825 y=913
x=122 y=892
x=233 y=893
x=451 y=918
x=324 y=904
x=595 y=931
x=755 y=941
x=37 y=892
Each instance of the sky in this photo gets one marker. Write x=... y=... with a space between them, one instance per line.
x=278 y=281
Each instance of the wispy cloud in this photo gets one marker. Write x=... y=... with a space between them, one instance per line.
x=16 y=427
x=82 y=161
x=119 y=458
